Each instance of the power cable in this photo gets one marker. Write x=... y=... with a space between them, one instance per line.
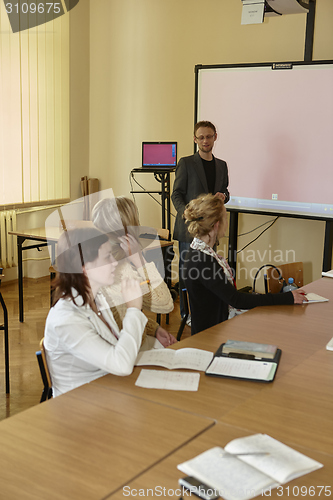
x=262 y=232
x=144 y=191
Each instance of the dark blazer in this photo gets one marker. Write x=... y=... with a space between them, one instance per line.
x=190 y=182
x=210 y=292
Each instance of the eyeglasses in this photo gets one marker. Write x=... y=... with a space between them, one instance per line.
x=203 y=137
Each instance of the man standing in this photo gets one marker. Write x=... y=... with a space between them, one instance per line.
x=196 y=174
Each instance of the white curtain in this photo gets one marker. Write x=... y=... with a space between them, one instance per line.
x=34 y=112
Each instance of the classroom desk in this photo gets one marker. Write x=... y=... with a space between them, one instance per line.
x=88 y=443
x=164 y=475
x=302 y=333
x=39 y=235
x=93 y=441
x=296 y=408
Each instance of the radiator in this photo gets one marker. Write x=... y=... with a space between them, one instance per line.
x=8 y=247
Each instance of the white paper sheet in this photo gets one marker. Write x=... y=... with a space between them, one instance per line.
x=243 y=368
x=313 y=297
x=175 y=381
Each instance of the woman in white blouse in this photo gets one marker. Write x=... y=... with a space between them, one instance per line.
x=82 y=339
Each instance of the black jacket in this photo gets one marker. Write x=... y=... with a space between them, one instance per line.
x=190 y=182
x=210 y=292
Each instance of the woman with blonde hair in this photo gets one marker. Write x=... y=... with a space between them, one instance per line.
x=209 y=280
x=119 y=218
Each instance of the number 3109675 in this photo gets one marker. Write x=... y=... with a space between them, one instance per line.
x=304 y=491
x=33 y=8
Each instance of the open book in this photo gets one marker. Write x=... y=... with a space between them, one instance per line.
x=243 y=366
x=248 y=466
x=192 y=359
x=263 y=371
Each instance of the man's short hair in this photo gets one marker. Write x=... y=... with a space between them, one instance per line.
x=204 y=123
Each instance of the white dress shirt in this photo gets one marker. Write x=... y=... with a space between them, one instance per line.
x=80 y=347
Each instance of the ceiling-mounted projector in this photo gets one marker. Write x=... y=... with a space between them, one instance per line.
x=254 y=11
x=279 y=7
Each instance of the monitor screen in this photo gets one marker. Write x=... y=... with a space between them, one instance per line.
x=159 y=154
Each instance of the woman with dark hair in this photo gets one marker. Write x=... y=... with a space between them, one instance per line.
x=209 y=280
x=82 y=339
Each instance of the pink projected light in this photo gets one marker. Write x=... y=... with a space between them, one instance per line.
x=275 y=130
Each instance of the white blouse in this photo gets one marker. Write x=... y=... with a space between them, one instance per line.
x=80 y=347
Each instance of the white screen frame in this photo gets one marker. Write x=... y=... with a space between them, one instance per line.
x=278 y=124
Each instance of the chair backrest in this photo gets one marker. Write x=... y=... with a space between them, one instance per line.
x=163 y=233
x=291 y=270
x=44 y=371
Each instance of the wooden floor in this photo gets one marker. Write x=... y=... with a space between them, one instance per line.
x=25 y=381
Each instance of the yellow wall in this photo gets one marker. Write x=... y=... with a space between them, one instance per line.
x=142 y=59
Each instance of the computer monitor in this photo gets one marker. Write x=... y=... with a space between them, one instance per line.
x=159 y=155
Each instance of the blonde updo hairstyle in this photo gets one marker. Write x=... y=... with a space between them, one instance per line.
x=105 y=216
x=202 y=213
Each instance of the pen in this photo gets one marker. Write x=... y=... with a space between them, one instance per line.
x=241 y=356
x=226 y=454
x=145 y=282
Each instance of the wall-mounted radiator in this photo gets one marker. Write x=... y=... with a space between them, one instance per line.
x=8 y=247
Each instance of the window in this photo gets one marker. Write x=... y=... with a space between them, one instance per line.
x=34 y=112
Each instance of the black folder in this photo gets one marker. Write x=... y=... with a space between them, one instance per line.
x=245 y=367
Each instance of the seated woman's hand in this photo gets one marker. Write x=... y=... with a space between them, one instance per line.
x=132 y=249
x=299 y=296
x=220 y=195
x=131 y=292
x=164 y=337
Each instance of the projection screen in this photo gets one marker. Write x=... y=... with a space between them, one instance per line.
x=275 y=131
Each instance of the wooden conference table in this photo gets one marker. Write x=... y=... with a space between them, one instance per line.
x=51 y=238
x=105 y=436
x=88 y=443
x=297 y=408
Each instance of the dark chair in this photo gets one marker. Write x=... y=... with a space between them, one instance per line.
x=187 y=312
x=45 y=374
x=4 y=327
x=52 y=272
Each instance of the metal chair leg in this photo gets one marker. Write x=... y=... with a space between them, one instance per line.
x=187 y=312
x=4 y=327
